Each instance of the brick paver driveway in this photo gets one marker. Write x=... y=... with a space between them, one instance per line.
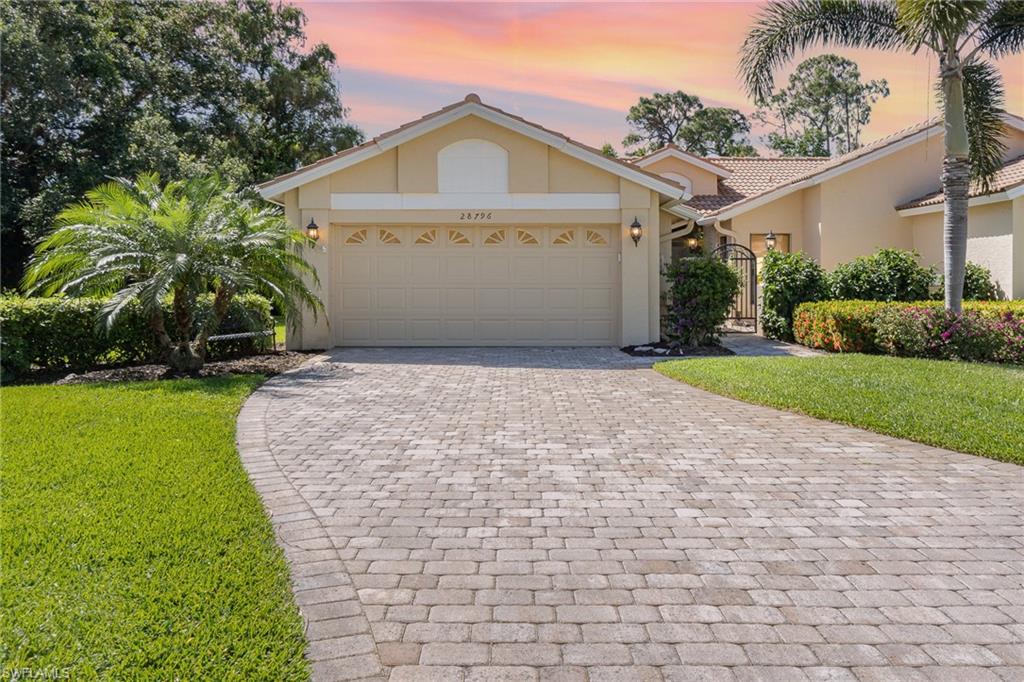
x=565 y=515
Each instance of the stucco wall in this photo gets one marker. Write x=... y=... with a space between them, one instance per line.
x=783 y=216
x=990 y=242
x=703 y=181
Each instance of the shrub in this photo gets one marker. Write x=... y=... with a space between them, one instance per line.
x=62 y=332
x=787 y=280
x=887 y=275
x=701 y=291
x=838 y=326
x=978 y=284
x=990 y=331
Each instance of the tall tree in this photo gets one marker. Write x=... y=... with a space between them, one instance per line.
x=963 y=35
x=717 y=131
x=679 y=118
x=657 y=120
x=823 y=109
x=111 y=88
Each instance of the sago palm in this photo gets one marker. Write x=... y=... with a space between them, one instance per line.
x=140 y=240
x=962 y=34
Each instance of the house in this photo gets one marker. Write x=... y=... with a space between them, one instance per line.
x=473 y=226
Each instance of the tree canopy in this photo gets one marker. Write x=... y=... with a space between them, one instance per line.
x=110 y=88
x=823 y=109
x=680 y=118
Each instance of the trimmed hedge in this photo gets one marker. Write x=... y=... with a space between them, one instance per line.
x=62 y=332
x=986 y=330
x=787 y=280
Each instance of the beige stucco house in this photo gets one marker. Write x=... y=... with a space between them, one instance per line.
x=472 y=226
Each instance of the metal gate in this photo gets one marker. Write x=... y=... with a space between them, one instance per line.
x=743 y=315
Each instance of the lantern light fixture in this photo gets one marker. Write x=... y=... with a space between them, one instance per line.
x=636 y=231
x=313 y=230
x=770 y=239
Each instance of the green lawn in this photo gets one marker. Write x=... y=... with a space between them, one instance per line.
x=279 y=331
x=972 y=408
x=133 y=546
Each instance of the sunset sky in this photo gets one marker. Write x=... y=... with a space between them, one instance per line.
x=573 y=67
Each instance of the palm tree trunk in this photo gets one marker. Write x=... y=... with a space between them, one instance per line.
x=221 y=300
x=182 y=358
x=956 y=178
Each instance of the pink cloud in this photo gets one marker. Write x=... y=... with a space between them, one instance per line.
x=594 y=57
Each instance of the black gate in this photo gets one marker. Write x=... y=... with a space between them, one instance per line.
x=743 y=315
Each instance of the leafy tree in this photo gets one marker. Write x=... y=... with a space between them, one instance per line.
x=963 y=35
x=678 y=118
x=657 y=120
x=717 y=131
x=143 y=241
x=822 y=111
x=111 y=88
x=608 y=150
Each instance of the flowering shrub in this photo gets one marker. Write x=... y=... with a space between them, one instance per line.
x=787 y=280
x=837 y=326
x=701 y=290
x=990 y=331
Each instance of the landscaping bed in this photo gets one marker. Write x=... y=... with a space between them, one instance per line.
x=969 y=407
x=134 y=546
x=669 y=350
x=267 y=364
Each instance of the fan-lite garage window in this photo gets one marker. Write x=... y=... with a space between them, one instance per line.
x=472 y=166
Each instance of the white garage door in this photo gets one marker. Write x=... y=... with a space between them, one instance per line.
x=494 y=285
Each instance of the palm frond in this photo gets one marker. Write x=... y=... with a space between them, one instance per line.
x=983 y=100
x=1002 y=32
x=786 y=27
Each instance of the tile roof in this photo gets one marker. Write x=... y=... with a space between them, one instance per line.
x=763 y=175
x=1009 y=175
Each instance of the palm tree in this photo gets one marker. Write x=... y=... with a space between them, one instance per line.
x=961 y=33
x=143 y=241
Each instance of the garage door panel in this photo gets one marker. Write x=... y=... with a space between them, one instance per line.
x=426 y=300
x=400 y=287
x=459 y=331
x=598 y=299
x=423 y=331
x=494 y=331
x=425 y=268
x=493 y=301
x=356 y=299
x=356 y=331
x=562 y=330
x=562 y=299
x=459 y=268
x=391 y=300
x=355 y=269
x=527 y=268
x=391 y=331
x=460 y=302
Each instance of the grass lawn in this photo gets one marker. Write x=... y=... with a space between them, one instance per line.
x=133 y=546
x=279 y=331
x=971 y=408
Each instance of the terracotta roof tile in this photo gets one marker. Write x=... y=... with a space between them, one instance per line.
x=1009 y=175
x=762 y=176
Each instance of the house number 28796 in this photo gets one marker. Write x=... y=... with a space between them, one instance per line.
x=475 y=215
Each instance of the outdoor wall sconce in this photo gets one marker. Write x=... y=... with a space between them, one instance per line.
x=313 y=230
x=635 y=231
x=769 y=240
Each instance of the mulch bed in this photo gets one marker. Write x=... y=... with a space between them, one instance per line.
x=268 y=364
x=665 y=350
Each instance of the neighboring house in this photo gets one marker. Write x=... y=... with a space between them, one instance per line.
x=472 y=226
